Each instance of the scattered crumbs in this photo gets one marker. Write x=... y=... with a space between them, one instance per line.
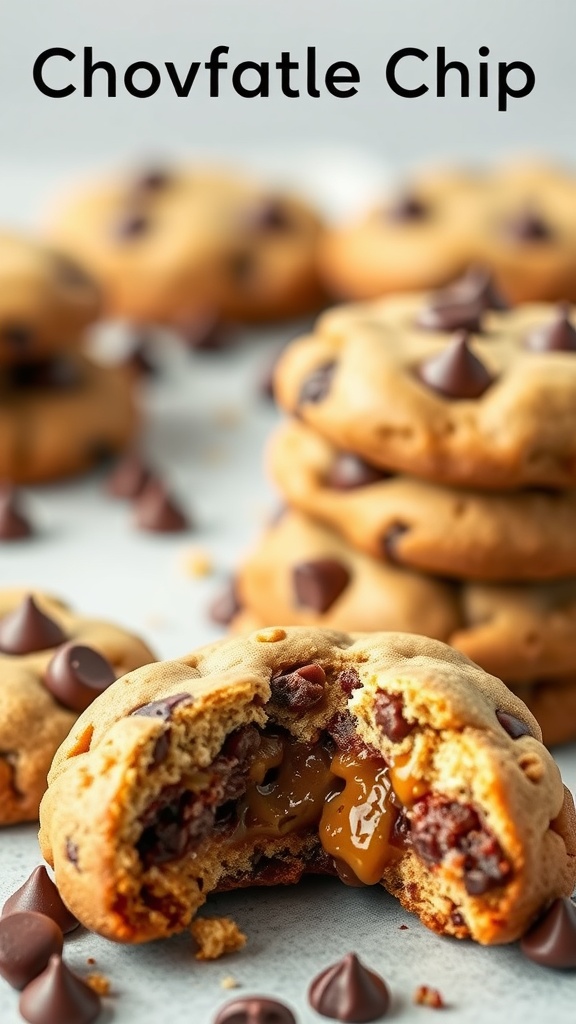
x=229 y=982
x=198 y=563
x=426 y=996
x=90 y=960
x=228 y=416
x=216 y=936
x=403 y=927
x=99 y=984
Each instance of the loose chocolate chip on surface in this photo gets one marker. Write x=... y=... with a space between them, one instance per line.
x=27 y=941
x=318 y=584
x=348 y=991
x=163 y=709
x=155 y=510
x=40 y=895
x=254 y=1010
x=388 y=715
x=300 y=689
x=349 y=471
x=529 y=226
x=389 y=542
x=552 y=940
x=456 y=372
x=513 y=726
x=317 y=385
x=131 y=226
x=76 y=675
x=59 y=997
x=225 y=606
x=557 y=336
x=407 y=207
x=129 y=477
x=13 y=524
x=27 y=629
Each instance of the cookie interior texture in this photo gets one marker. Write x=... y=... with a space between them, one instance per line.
x=380 y=758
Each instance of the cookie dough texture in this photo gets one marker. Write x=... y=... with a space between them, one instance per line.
x=171 y=246
x=107 y=776
x=519 y=221
x=51 y=430
x=467 y=534
x=46 y=300
x=521 y=432
x=32 y=723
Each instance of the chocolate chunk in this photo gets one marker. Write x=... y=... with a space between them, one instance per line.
x=205 y=333
x=254 y=1010
x=76 y=675
x=552 y=940
x=389 y=717
x=389 y=542
x=528 y=226
x=269 y=214
x=17 y=337
x=155 y=510
x=225 y=606
x=129 y=477
x=349 y=680
x=456 y=372
x=131 y=226
x=59 y=997
x=407 y=207
x=317 y=385
x=318 y=584
x=27 y=629
x=300 y=689
x=162 y=709
x=513 y=726
x=557 y=336
x=27 y=941
x=349 y=471
x=172 y=825
x=348 y=991
x=13 y=524
x=40 y=895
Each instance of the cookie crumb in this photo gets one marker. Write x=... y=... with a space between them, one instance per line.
x=229 y=982
x=403 y=927
x=99 y=984
x=216 y=936
x=90 y=960
x=198 y=563
x=427 y=996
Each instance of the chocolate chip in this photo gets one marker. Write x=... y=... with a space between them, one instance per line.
x=131 y=226
x=16 y=336
x=40 y=895
x=552 y=940
x=27 y=629
x=349 y=680
x=161 y=748
x=254 y=1010
x=318 y=584
x=389 y=542
x=349 y=471
x=456 y=372
x=72 y=852
x=129 y=477
x=76 y=675
x=162 y=709
x=389 y=716
x=557 y=336
x=155 y=510
x=225 y=606
x=513 y=726
x=27 y=941
x=57 y=995
x=299 y=689
x=462 y=304
x=348 y=991
x=153 y=180
x=407 y=207
x=268 y=215
x=317 y=385
x=205 y=333
x=528 y=226
x=13 y=524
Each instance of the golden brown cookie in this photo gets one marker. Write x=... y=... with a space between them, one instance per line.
x=63 y=417
x=46 y=301
x=386 y=759
x=53 y=662
x=173 y=246
x=525 y=535
x=443 y=387
x=519 y=221
x=302 y=574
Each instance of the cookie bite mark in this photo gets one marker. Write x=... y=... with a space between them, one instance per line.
x=456 y=372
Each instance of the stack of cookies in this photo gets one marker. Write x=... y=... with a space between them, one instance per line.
x=59 y=411
x=430 y=474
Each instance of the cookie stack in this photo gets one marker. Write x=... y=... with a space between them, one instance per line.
x=430 y=474
x=59 y=411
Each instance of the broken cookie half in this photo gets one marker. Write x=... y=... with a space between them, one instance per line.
x=383 y=758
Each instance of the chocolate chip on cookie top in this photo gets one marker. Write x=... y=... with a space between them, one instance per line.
x=28 y=629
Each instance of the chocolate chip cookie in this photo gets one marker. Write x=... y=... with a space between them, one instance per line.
x=475 y=535
x=445 y=386
x=63 y=416
x=53 y=663
x=178 y=246
x=519 y=221
x=46 y=301
x=384 y=759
